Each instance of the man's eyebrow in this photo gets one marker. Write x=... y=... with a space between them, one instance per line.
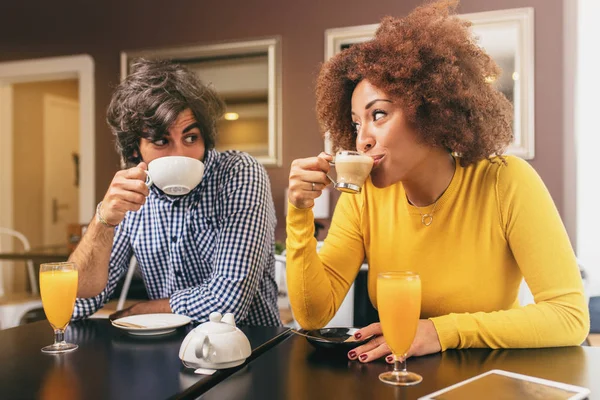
x=370 y=104
x=191 y=126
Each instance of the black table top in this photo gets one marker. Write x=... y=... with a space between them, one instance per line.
x=109 y=364
x=293 y=369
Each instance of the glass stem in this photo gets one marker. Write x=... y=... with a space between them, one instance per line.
x=400 y=365
x=59 y=336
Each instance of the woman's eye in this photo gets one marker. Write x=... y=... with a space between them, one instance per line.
x=355 y=126
x=378 y=114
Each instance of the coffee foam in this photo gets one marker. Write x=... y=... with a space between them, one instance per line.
x=352 y=169
x=349 y=158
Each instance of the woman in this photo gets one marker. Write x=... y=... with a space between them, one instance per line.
x=439 y=201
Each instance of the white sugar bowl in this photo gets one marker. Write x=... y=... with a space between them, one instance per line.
x=215 y=344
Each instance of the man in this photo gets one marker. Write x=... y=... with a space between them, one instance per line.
x=210 y=250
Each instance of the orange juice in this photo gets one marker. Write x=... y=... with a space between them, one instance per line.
x=58 y=289
x=60 y=383
x=399 y=306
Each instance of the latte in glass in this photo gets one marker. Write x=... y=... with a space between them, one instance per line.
x=352 y=169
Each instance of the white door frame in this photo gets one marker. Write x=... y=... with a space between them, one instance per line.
x=587 y=140
x=79 y=67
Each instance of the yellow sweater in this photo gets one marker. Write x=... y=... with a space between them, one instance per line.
x=494 y=224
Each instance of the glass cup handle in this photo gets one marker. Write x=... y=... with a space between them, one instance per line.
x=331 y=179
x=149 y=181
x=332 y=164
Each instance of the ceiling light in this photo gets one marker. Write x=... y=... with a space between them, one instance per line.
x=231 y=116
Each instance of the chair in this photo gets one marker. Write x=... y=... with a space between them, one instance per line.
x=283 y=302
x=14 y=306
x=127 y=283
x=344 y=316
x=110 y=308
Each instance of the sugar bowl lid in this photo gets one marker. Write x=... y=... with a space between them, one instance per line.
x=217 y=324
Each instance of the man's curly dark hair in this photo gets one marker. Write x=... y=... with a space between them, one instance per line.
x=430 y=62
x=149 y=100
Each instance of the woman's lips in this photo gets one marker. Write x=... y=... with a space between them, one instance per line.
x=377 y=160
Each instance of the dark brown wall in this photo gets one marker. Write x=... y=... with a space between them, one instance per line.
x=104 y=28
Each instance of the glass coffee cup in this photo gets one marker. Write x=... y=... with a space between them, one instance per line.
x=352 y=169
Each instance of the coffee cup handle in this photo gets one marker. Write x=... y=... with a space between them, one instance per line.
x=149 y=181
x=331 y=164
x=331 y=179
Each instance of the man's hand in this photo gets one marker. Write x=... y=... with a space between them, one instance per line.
x=144 y=307
x=426 y=342
x=127 y=192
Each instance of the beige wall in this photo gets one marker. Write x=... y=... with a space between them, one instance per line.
x=73 y=27
x=28 y=176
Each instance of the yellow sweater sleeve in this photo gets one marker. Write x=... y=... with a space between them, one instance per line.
x=316 y=289
x=538 y=240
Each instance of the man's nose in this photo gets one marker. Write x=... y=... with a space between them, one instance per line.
x=179 y=149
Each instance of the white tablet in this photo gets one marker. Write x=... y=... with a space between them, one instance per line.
x=500 y=385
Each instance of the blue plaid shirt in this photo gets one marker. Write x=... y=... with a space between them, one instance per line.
x=211 y=250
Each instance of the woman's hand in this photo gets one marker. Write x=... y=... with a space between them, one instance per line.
x=426 y=342
x=127 y=192
x=307 y=179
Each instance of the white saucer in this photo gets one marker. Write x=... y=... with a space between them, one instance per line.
x=154 y=324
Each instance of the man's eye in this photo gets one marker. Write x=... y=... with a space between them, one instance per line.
x=191 y=139
x=159 y=142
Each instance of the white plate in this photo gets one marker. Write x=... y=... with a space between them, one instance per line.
x=154 y=324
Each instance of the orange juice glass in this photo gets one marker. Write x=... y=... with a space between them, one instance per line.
x=58 y=287
x=399 y=306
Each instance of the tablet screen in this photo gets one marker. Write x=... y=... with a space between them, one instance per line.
x=501 y=387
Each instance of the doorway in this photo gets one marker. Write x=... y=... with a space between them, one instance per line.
x=79 y=70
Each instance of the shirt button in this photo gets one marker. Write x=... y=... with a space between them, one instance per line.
x=173 y=239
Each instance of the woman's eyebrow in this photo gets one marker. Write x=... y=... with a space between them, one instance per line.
x=370 y=104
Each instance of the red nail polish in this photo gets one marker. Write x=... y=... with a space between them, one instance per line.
x=389 y=358
x=357 y=335
x=363 y=357
x=352 y=354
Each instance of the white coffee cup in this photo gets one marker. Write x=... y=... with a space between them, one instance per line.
x=175 y=175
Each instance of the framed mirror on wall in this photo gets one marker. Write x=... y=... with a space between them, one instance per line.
x=507 y=36
x=247 y=76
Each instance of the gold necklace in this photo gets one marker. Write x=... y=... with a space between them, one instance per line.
x=427 y=218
